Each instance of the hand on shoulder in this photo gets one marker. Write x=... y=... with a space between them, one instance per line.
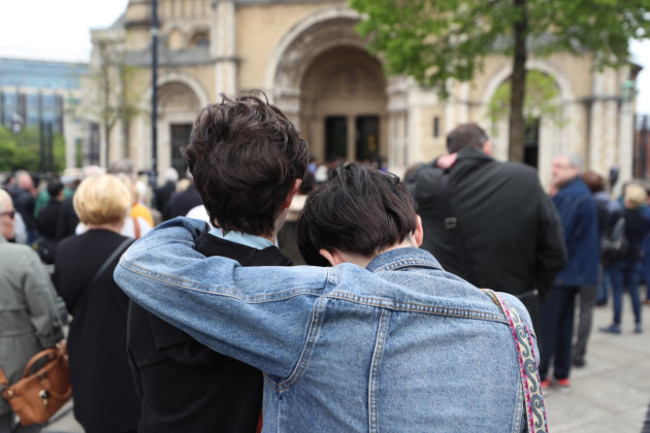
x=447 y=161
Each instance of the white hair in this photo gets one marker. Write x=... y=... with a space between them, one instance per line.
x=5 y=200
x=171 y=175
x=574 y=160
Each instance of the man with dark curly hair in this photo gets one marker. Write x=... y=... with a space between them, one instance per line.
x=247 y=160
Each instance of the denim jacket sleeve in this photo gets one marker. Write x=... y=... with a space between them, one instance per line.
x=261 y=316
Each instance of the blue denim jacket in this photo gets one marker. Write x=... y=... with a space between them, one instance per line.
x=401 y=346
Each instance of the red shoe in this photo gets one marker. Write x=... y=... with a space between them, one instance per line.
x=546 y=383
x=563 y=383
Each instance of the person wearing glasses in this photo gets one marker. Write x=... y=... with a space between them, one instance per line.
x=28 y=319
x=377 y=337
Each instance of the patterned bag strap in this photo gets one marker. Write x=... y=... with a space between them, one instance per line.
x=531 y=384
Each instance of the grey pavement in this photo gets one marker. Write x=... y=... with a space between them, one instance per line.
x=610 y=394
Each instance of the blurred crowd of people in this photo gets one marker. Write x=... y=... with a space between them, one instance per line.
x=488 y=222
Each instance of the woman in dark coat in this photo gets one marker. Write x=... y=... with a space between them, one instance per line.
x=104 y=395
x=624 y=271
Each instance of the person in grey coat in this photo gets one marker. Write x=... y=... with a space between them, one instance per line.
x=28 y=318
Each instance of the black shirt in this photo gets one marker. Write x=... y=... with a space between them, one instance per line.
x=185 y=386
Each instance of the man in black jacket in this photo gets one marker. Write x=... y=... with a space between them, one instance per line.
x=247 y=160
x=487 y=221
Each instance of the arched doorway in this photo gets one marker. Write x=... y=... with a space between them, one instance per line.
x=343 y=106
x=547 y=132
x=322 y=77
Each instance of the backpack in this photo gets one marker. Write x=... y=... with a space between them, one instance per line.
x=613 y=244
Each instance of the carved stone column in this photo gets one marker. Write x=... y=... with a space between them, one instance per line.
x=222 y=45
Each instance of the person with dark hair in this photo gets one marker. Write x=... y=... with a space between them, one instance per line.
x=165 y=191
x=183 y=200
x=46 y=223
x=68 y=218
x=468 y=135
x=609 y=211
x=589 y=296
x=385 y=340
x=23 y=194
x=246 y=159
x=487 y=221
x=288 y=234
x=324 y=232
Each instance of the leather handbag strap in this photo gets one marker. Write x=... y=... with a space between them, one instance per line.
x=530 y=380
x=51 y=353
x=115 y=254
x=4 y=382
x=451 y=224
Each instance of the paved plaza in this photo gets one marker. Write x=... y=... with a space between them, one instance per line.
x=609 y=395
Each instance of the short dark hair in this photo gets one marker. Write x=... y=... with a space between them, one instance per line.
x=466 y=135
x=308 y=184
x=245 y=156
x=54 y=187
x=594 y=181
x=358 y=210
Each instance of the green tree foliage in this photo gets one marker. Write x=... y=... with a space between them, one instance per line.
x=22 y=151
x=113 y=97
x=434 y=41
x=541 y=100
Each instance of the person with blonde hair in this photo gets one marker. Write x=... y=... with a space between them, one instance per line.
x=105 y=396
x=624 y=270
x=28 y=319
x=125 y=167
x=140 y=221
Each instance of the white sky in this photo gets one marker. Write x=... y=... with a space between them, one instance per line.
x=60 y=30
x=54 y=29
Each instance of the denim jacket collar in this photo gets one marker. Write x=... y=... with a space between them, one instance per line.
x=402 y=258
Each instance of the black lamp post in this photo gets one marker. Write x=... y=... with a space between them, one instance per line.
x=154 y=95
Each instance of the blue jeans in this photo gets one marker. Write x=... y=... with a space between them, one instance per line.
x=625 y=276
x=585 y=319
x=604 y=284
x=557 y=313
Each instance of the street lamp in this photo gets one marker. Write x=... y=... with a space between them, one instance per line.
x=153 y=179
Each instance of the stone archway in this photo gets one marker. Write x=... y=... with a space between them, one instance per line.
x=552 y=135
x=322 y=77
x=343 y=106
x=180 y=97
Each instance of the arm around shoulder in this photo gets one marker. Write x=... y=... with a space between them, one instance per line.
x=252 y=314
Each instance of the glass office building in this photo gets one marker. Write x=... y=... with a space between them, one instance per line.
x=41 y=94
x=32 y=92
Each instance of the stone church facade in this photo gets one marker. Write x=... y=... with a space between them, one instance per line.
x=309 y=60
